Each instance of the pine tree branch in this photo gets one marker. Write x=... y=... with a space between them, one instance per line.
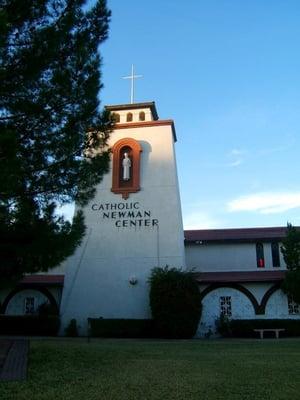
x=11 y=117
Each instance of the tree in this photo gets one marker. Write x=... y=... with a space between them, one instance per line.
x=291 y=254
x=175 y=302
x=50 y=79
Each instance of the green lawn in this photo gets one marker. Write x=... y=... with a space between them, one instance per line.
x=116 y=369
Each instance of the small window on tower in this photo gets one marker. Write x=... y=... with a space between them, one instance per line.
x=116 y=117
x=129 y=117
x=275 y=254
x=142 y=116
x=260 y=259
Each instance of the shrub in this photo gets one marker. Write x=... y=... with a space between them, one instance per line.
x=245 y=327
x=72 y=330
x=46 y=309
x=121 y=328
x=175 y=302
x=29 y=325
x=291 y=254
x=223 y=325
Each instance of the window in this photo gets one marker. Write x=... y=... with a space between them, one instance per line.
x=142 y=116
x=275 y=254
x=294 y=308
x=129 y=117
x=29 y=306
x=225 y=306
x=260 y=259
x=116 y=117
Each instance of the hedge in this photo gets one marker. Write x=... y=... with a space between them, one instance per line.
x=245 y=327
x=29 y=325
x=121 y=328
x=175 y=302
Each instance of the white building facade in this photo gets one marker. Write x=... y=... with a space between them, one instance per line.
x=239 y=273
x=134 y=224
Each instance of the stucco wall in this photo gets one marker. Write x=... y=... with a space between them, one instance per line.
x=242 y=308
x=228 y=257
x=135 y=115
x=97 y=277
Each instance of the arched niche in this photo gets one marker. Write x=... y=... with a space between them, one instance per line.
x=237 y=287
x=41 y=290
x=116 y=117
x=133 y=152
x=129 y=117
x=142 y=116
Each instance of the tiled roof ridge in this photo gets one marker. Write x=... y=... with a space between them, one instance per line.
x=235 y=234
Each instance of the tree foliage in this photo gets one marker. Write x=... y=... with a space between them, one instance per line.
x=291 y=254
x=175 y=302
x=50 y=79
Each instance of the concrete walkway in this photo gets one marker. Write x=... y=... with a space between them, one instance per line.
x=13 y=359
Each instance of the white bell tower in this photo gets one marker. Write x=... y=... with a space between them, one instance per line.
x=133 y=223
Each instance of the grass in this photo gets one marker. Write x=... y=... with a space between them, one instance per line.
x=202 y=370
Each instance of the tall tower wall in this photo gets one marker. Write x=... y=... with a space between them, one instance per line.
x=132 y=226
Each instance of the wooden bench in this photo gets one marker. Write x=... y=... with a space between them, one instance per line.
x=275 y=330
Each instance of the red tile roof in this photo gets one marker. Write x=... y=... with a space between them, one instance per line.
x=239 y=276
x=241 y=234
x=57 y=280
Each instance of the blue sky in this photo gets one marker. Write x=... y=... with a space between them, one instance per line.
x=228 y=73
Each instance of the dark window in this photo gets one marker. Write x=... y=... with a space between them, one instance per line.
x=142 y=116
x=275 y=254
x=129 y=117
x=116 y=117
x=260 y=259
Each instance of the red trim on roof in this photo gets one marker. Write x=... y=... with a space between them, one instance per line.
x=242 y=234
x=43 y=280
x=239 y=276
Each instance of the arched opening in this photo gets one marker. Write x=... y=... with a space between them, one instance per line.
x=126 y=167
x=228 y=300
x=142 y=116
x=129 y=117
x=116 y=117
x=237 y=287
x=126 y=163
x=21 y=294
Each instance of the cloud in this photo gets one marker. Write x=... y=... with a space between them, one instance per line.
x=235 y=163
x=288 y=143
x=236 y=152
x=200 y=220
x=236 y=157
x=266 y=202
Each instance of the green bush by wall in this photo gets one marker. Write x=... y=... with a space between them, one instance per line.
x=175 y=302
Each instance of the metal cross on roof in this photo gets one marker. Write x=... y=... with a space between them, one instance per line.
x=132 y=77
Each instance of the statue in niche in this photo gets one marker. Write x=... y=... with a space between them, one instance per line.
x=126 y=163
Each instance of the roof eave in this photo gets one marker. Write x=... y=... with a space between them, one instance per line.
x=134 y=106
